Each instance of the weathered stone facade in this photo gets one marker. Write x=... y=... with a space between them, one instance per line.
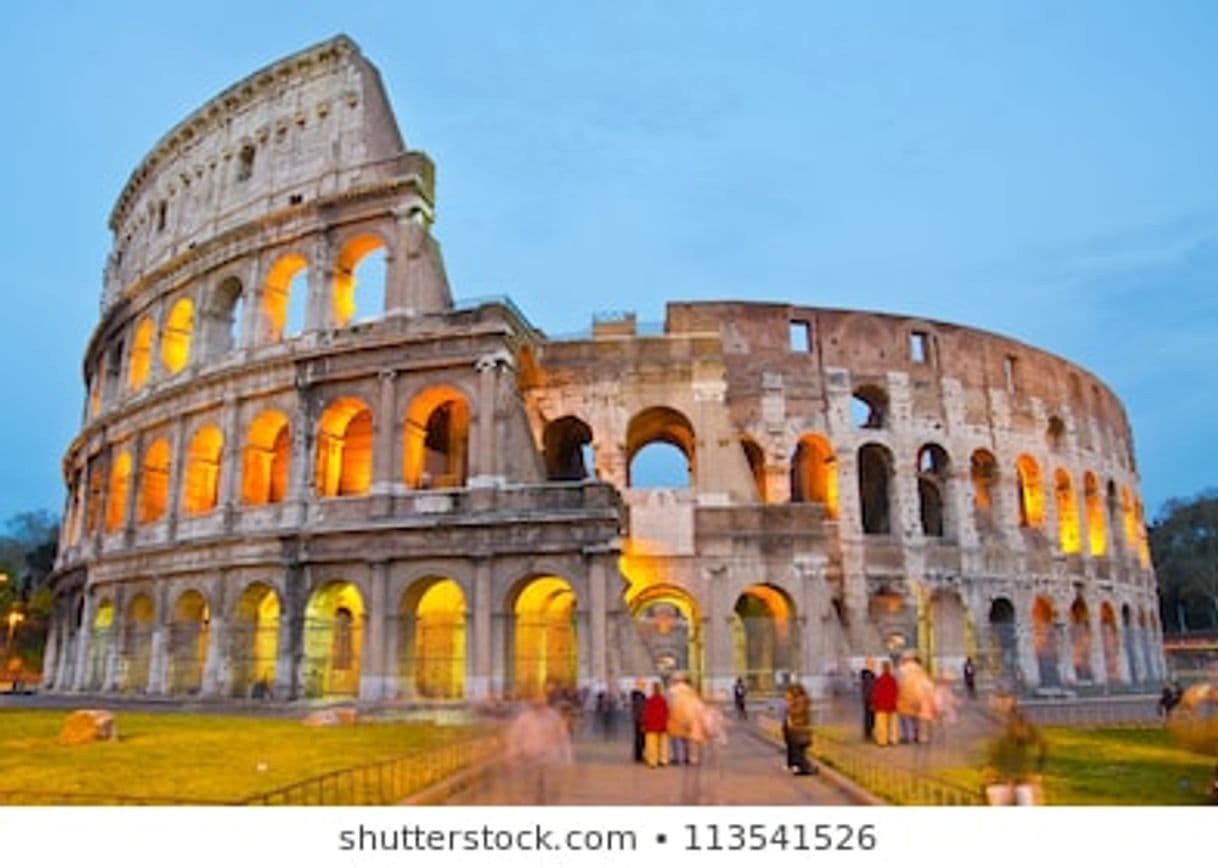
x=397 y=497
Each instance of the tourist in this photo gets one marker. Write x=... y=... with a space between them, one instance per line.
x=799 y=730
x=866 y=693
x=884 y=699
x=739 y=695
x=1015 y=759
x=684 y=721
x=655 y=728
x=638 y=701
x=538 y=745
x=970 y=677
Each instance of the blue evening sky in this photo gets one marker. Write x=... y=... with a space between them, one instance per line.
x=1044 y=170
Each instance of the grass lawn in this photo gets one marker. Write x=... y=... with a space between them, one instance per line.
x=1115 y=767
x=189 y=757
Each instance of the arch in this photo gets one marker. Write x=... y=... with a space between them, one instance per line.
x=352 y=264
x=983 y=471
x=120 y=487
x=177 y=334
x=333 y=640
x=660 y=425
x=875 y=474
x=1136 y=673
x=932 y=468
x=814 y=473
x=254 y=641
x=101 y=641
x=188 y=636
x=755 y=458
x=266 y=459
x=1004 y=643
x=201 y=481
x=1097 y=534
x=764 y=638
x=1129 y=521
x=948 y=631
x=1044 y=642
x=544 y=646
x=285 y=283
x=1080 y=640
x=869 y=407
x=344 y=449
x=1031 y=492
x=154 y=483
x=222 y=318
x=669 y=624
x=436 y=439
x=1143 y=537
x=136 y=649
x=94 y=504
x=140 y=362
x=432 y=639
x=1055 y=433
x=1067 y=512
x=1111 y=643
x=566 y=444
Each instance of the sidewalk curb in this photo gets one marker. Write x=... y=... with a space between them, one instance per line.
x=832 y=776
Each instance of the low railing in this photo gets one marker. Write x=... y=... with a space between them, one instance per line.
x=1116 y=713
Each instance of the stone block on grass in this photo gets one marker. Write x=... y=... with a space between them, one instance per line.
x=88 y=725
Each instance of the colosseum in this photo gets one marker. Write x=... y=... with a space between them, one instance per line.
x=305 y=472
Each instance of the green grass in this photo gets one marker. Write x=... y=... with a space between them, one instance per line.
x=194 y=757
x=1113 y=767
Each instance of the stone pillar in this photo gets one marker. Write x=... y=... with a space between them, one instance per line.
x=133 y=489
x=385 y=477
x=300 y=469
x=414 y=272
x=484 y=468
x=230 y=460
x=117 y=635
x=478 y=682
x=598 y=603
x=84 y=634
x=1065 y=651
x=177 y=473
x=720 y=665
x=216 y=670
x=1099 y=668
x=285 y=686
x=816 y=610
x=502 y=662
x=375 y=680
x=50 y=659
x=583 y=637
x=321 y=281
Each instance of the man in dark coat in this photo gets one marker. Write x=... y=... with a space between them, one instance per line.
x=867 y=691
x=638 y=701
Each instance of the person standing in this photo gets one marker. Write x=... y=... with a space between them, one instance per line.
x=638 y=701
x=884 y=700
x=867 y=693
x=655 y=727
x=970 y=677
x=739 y=695
x=799 y=730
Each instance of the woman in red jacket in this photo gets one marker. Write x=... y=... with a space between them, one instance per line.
x=655 y=728
x=884 y=698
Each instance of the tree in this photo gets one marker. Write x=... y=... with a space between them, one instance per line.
x=1184 y=546
x=27 y=557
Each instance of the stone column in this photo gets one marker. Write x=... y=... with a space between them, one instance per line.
x=1065 y=651
x=117 y=634
x=375 y=677
x=1099 y=668
x=583 y=637
x=217 y=671
x=177 y=473
x=50 y=659
x=502 y=650
x=719 y=609
x=321 y=281
x=478 y=681
x=133 y=489
x=415 y=279
x=84 y=633
x=385 y=477
x=484 y=469
x=598 y=603
x=230 y=459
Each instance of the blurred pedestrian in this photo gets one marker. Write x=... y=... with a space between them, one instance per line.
x=867 y=696
x=739 y=696
x=799 y=730
x=638 y=701
x=1015 y=759
x=538 y=746
x=884 y=699
x=970 y=677
x=655 y=727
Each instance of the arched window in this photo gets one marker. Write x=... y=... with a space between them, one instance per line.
x=932 y=482
x=1055 y=433
x=1067 y=512
x=875 y=473
x=1129 y=520
x=756 y=460
x=285 y=297
x=222 y=319
x=344 y=449
x=201 y=482
x=154 y=483
x=268 y=450
x=814 y=473
x=94 y=503
x=140 y=362
x=1031 y=492
x=983 y=470
x=436 y=439
x=869 y=407
x=358 y=272
x=567 y=444
x=660 y=432
x=1097 y=536
x=120 y=485
x=177 y=334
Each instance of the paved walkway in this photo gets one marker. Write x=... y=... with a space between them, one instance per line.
x=746 y=771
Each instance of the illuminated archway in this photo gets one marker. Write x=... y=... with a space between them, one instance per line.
x=1004 y=643
x=814 y=473
x=120 y=486
x=352 y=270
x=755 y=457
x=1111 y=643
x=140 y=362
x=764 y=638
x=101 y=641
x=983 y=470
x=344 y=449
x=188 y=635
x=1044 y=641
x=93 y=505
x=436 y=439
x=176 y=335
x=432 y=640
x=874 y=478
x=286 y=287
x=137 y=644
x=1097 y=536
x=222 y=318
x=545 y=652
x=333 y=640
x=661 y=425
x=1080 y=640
x=567 y=446
x=1031 y=492
x=154 y=483
x=949 y=631
x=268 y=452
x=932 y=470
x=1067 y=513
x=669 y=624
x=201 y=481
x=254 y=640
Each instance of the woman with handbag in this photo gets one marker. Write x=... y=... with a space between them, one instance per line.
x=799 y=730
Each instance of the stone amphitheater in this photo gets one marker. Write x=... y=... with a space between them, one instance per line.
x=305 y=472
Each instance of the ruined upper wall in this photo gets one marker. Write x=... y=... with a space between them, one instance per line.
x=313 y=124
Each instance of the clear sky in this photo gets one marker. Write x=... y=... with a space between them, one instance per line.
x=1045 y=170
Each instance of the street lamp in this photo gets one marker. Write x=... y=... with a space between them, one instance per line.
x=14 y=618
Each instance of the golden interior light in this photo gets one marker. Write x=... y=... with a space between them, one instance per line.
x=343 y=295
x=276 y=292
x=116 y=499
x=103 y=619
x=1129 y=519
x=436 y=439
x=93 y=505
x=334 y=637
x=1031 y=492
x=140 y=362
x=344 y=449
x=201 y=481
x=268 y=449
x=154 y=483
x=255 y=637
x=439 y=641
x=1094 y=504
x=176 y=337
x=545 y=640
x=816 y=472
x=1067 y=513
x=188 y=636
